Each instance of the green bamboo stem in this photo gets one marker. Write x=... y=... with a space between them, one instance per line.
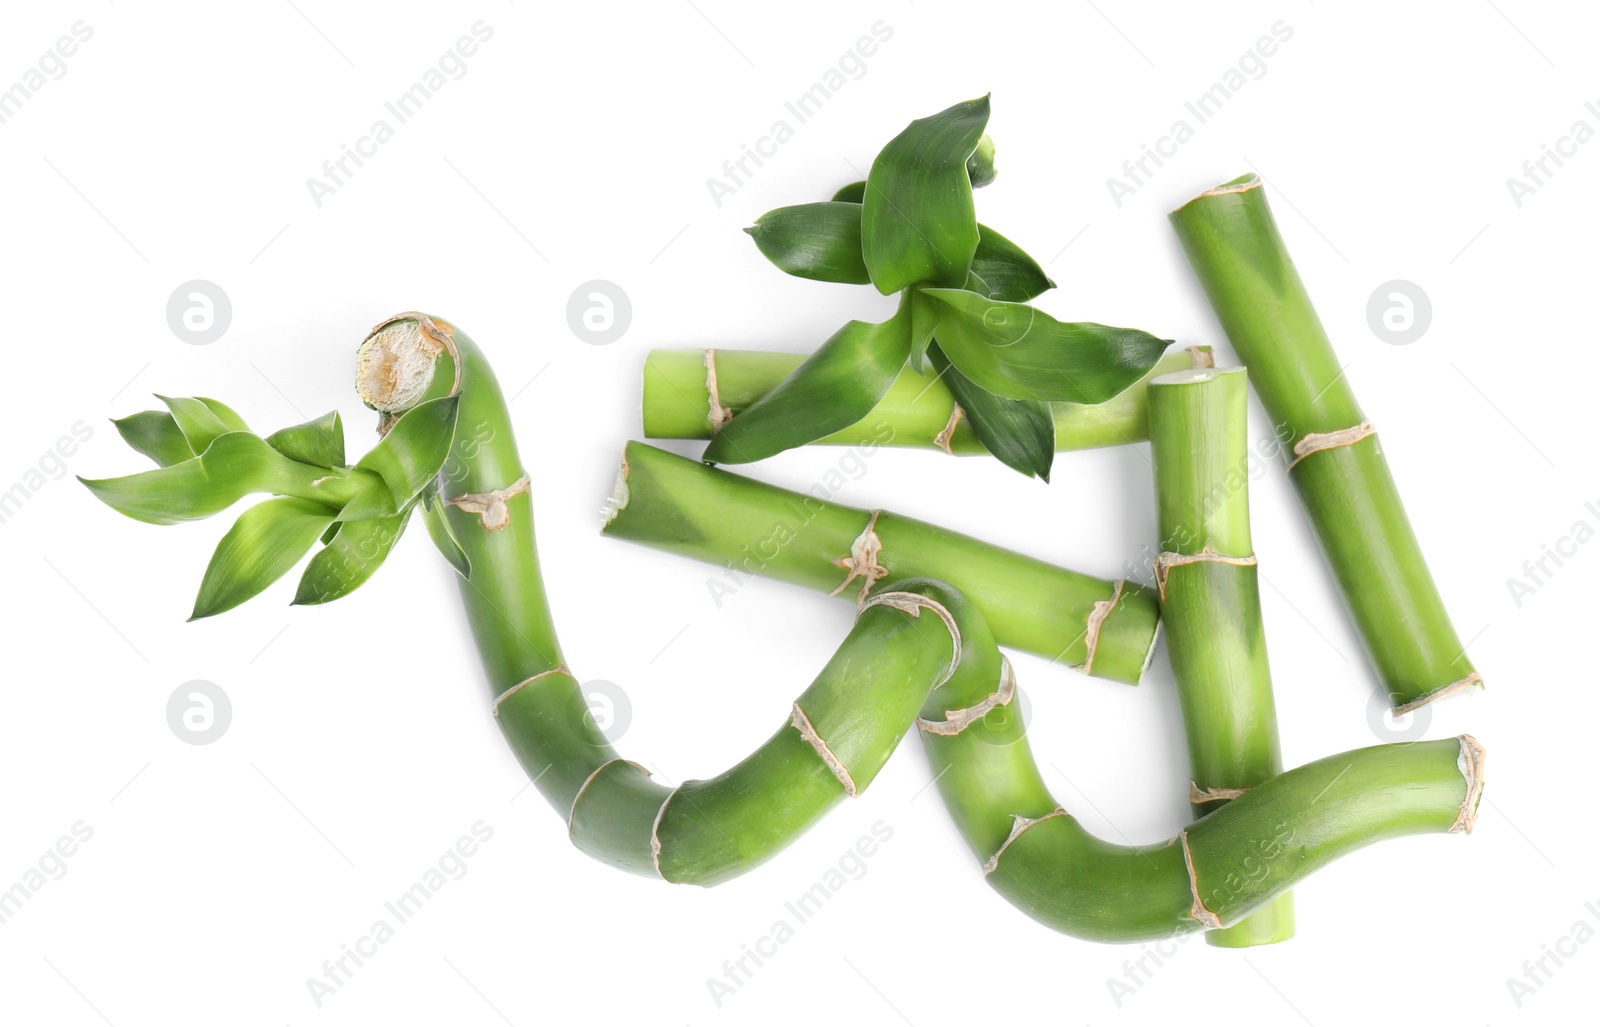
x=1211 y=606
x=1213 y=874
x=1335 y=461
x=840 y=731
x=668 y=502
x=918 y=411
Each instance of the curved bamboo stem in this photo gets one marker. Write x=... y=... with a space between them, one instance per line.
x=1206 y=575
x=1334 y=456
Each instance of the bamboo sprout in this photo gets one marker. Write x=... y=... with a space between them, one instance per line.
x=691 y=394
x=1336 y=461
x=1206 y=580
x=668 y=502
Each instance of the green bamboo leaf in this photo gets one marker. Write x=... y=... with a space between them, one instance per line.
x=852 y=193
x=202 y=420
x=319 y=442
x=924 y=322
x=410 y=455
x=224 y=413
x=153 y=433
x=1016 y=351
x=1001 y=270
x=820 y=241
x=836 y=386
x=917 y=219
x=1021 y=433
x=266 y=540
x=980 y=166
x=444 y=540
x=356 y=551
x=234 y=466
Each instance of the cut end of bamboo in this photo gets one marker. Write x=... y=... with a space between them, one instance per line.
x=394 y=365
x=1473 y=680
x=1198 y=373
x=618 y=500
x=1242 y=184
x=1470 y=763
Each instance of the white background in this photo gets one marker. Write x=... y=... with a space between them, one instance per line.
x=219 y=878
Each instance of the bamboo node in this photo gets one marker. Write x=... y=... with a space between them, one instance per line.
x=655 y=832
x=1098 y=613
x=957 y=721
x=1316 y=442
x=801 y=723
x=1166 y=561
x=1199 y=796
x=1470 y=762
x=572 y=814
x=914 y=603
x=942 y=440
x=1019 y=824
x=491 y=505
x=863 y=561
x=1197 y=909
x=719 y=415
x=520 y=685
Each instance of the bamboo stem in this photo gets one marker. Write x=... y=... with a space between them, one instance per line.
x=1210 y=604
x=918 y=411
x=1336 y=461
x=668 y=502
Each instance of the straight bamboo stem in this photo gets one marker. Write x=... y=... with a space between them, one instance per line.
x=691 y=394
x=1336 y=460
x=1211 y=606
x=668 y=502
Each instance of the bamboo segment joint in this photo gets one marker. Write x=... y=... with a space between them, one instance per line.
x=1470 y=763
x=655 y=832
x=491 y=505
x=914 y=603
x=801 y=723
x=957 y=721
x=719 y=415
x=1166 y=561
x=1315 y=442
x=1197 y=909
x=573 y=812
x=1019 y=824
x=1199 y=796
x=514 y=689
x=1097 y=617
x=948 y=432
x=863 y=561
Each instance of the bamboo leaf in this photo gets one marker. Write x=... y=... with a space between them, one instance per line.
x=444 y=540
x=153 y=433
x=836 y=386
x=980 y=166
x=917 y=219
x=266 y=540
x=410 y=455
x=349 y=559
x=1001 y=270
x=852 y=193
x=1016 y=351
x=234 y=466
x=924 y=322
x=319 y=442
x=202 y=420
x=820 y=241
x=1021 y=433
x=224 y=413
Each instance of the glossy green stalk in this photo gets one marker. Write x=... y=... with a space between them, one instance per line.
x=1214 y=873
x=1335 y=460
x=669 y=502
x=917 y=412
x=839 y=732
x=1210 y=603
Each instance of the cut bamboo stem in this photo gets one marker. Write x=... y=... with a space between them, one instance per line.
x=1335 y=459
x=691 y=394
x=1103 y=628
x=1211 y=606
